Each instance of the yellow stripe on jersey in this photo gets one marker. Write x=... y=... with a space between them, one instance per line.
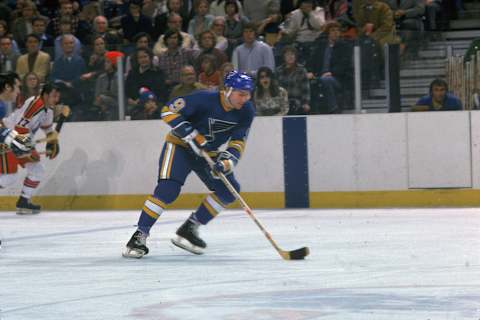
x=210 y=209
x=158 y=202
x=148 y=211
x=239 y=145
x=167 y=161
x=167 y=115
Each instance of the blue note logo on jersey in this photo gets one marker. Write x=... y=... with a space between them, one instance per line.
x=216 y=126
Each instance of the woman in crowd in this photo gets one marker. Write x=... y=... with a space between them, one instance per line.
x=202 y=20
x=234 y=22
x=30 y=87
x=270 y=99
x=293 y=77
x=209 y=74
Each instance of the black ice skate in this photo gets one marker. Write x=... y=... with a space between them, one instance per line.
x=24 y=207
x=188 y=239
x=137 y=246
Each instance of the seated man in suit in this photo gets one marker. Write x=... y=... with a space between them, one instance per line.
x=34 y=60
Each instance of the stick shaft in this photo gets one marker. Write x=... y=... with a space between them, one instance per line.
x=245 y=206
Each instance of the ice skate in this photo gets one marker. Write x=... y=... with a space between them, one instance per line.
x=137 y=246
x=25 y=207
x=188 y=239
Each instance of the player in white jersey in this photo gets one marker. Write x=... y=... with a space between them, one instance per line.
x=36 y=113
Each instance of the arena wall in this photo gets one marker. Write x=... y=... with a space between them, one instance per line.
x=355 y=161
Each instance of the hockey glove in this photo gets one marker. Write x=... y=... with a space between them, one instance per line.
x=224 y=163
x=196 y=141
x=20 y=144
x=52 y=148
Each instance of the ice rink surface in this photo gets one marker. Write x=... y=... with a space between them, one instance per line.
x=405 y=264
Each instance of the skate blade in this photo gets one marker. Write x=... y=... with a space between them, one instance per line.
x=186 y=245
x=132 y=253
x=24 y=211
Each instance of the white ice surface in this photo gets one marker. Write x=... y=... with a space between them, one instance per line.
x=364 y=265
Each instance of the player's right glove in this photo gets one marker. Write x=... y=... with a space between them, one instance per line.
x=52 y=148
x=196 y=141
x=20 y=144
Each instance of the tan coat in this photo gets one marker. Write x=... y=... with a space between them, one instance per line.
x=381 y=16
x=41 y=66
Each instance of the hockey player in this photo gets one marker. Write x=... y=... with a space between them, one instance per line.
x=18 y=144
x=204 y=120
x=36 y=112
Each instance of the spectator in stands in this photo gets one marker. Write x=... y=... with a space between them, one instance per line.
x=408 y=16
x=172 y=60
x=22 y=26
x=100 y=28
x=106 y=90
x=47 y=43
x=375 y=20
x=30 y=87
x=270 y=99
x=335 y=9
x=234 y=23
x=252 y=54
x=257 y=11
x=188 y=83
x=438 y=99
x=8 y=57
x=66 y=73
x=201 y=21
x=209 y=74
x=174 y=23
x=34 y=60
x=225 y=69
x=5 y=32
x=135 y=22
x=293 y=77
x=217 y=8
x=376 y=28
x=331 y=63
x=65 y=13
x=433 y=11
x=153 y=8
x=142 y=41
x=161 y=21
x=66 y=28
x=304 y=24
x=270 y=26
x=96 y=60
x=145 y=75
x=206 y=43
x=148 y=108
x=218 y=28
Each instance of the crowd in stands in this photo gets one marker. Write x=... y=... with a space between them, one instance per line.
x=299 y=51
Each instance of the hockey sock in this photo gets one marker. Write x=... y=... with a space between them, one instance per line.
x=208 y=210
x=29 y=187
x=151 y=211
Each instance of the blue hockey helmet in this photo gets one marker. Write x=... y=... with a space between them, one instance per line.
x=238 y=81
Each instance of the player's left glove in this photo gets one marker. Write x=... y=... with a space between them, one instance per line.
x=224 y=163
x=52 y=148
x=196 y=141
x=20 y=144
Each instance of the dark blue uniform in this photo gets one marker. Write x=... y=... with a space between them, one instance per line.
x=204 y=111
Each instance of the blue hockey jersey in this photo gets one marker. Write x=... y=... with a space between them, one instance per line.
x=206 y=112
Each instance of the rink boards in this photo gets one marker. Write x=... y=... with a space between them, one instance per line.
x=366 y=160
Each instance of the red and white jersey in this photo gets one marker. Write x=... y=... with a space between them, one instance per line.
x=34 y=114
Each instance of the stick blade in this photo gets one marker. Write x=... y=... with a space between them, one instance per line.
x=298 y=254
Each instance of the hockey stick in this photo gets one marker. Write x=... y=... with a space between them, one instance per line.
x=297 y=254
x=65 y=112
